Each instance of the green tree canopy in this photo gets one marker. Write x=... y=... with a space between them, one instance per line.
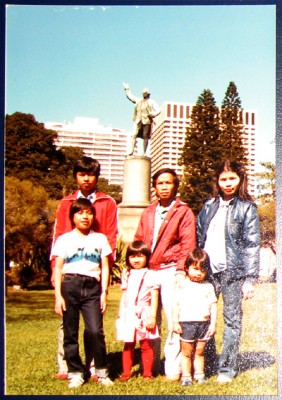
x=29 y=148
x=266 y=181
x=115 y=191
x=232 y=126
x=30 y=154
x=29 y=217
x=200 y=151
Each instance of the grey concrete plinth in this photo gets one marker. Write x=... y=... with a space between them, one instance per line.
x=135 y=195
x=128 y=220
x=136 y=181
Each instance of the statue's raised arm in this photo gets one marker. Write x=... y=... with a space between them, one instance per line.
x=129 y=95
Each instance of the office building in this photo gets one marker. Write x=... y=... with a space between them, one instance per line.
x=108 y=145
x=168 y=136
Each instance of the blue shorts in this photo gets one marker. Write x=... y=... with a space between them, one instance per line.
x=194 y=330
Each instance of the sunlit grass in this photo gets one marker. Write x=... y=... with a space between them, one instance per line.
x=31 y=343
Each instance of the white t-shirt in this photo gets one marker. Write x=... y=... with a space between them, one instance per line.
x=82 y=254
x=194 y=300
x=215 y=242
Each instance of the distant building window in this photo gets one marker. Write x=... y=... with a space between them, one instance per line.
x=253 y=118
x=175 y=111
x=181 y=112
x=247 y=118
x=168 y=110
x=187 y=112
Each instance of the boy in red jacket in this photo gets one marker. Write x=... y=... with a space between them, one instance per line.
x=86 y=172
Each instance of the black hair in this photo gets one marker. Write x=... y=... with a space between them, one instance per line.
x=138 y=246
x=87 y=164
x=239 y=169
x=78 y=205
x=200 y=257
x=167 y=171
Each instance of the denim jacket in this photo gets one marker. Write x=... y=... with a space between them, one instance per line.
x=242 y=236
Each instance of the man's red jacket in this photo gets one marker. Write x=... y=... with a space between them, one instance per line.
x=176 y=237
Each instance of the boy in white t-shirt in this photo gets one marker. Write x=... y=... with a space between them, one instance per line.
x=81 y=282
x=194 y=316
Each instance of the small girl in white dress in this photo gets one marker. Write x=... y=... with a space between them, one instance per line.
x=138 y=309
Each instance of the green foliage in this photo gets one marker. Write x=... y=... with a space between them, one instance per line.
x=29 y=147
x=31 y=328
x=267 y=200
x=119 y=264
x=232 y=127
x=267 y=221
x=30 y=154
x=60 y=180
x=200 y=151
x=212 y=137
x=29 y=220
x=267 y=181
x=115 y=191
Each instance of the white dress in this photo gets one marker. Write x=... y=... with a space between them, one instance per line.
x=131 y=324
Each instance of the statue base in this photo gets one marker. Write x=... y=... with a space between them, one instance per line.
x=135 y=195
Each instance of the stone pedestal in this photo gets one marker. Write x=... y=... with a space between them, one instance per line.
x=135 y=195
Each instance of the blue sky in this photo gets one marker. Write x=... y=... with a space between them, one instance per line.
x=68 y=61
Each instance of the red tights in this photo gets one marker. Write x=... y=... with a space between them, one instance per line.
x=147 y=357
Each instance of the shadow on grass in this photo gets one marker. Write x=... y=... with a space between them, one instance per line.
x=115 y=362
x=250 y=359
x=246 y=361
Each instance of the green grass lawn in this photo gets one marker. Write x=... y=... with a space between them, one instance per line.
x=31 y=343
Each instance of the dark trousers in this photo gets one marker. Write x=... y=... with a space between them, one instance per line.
x=82 y=294
x=231 y=290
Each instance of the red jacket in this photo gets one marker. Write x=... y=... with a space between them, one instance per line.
x=176 y=237
x=105 y=220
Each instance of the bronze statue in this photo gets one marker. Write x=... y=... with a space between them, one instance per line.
x=144 y=112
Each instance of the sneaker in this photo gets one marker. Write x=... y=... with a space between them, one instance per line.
x=105 y=381
x=62 y=375
x=186 y=382
x=75 y=381
x=223 y=378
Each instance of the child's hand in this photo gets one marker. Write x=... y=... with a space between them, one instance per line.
x=176 y=327
x=151 y=324
x=103 y=302
x=211 y=331
x=60 y=306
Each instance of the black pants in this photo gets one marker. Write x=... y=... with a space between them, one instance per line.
x=82 y=294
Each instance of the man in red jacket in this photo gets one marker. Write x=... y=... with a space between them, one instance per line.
x=168 y=226
x=86 y=172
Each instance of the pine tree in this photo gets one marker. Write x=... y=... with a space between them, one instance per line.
x=201 y=150
x=232 y=126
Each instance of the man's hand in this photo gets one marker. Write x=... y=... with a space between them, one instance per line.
x=126 y=86
x=248 y=290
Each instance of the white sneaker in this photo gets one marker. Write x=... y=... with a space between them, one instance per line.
x=105 y=381
x=223 y=378
x=75 y=381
